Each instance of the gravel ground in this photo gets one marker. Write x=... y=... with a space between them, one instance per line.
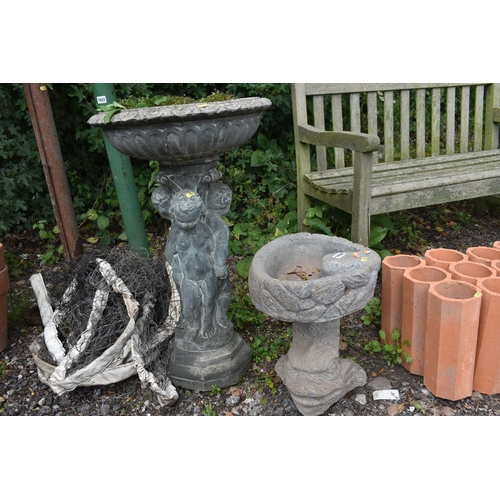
x=261 y=392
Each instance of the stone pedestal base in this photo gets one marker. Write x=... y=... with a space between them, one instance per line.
x=200 y=370
x=312 y=371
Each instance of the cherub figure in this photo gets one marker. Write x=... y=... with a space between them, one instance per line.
x=190 y=251
x=218 y=204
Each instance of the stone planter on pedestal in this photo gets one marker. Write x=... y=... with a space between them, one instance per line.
x=453 y=311
x=487 y=369
x=187 y=141
x=4 y=288
x=393 y=268
x=416 y=283
x=313 y=280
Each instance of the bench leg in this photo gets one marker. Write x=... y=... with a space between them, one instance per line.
x=361 y=198
x=480 y=206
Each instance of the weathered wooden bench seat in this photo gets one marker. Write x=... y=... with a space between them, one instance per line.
x=430 y=157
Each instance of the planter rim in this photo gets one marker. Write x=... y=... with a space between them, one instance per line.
x=455 y=266
x=408 y=274
x=434 y=289
x=403 y=261
x=439 y=253
x=483 y=285
x=182 y=112
x=478 y=252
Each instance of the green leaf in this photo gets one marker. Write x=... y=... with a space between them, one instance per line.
x=111 y=107
x=373 y=346
x=259 y=158
x=319 y=225
x=408 y=357
x=418 y=406
x=92 y=214
x=384 y=253
x=243 y=267
x=377 y=234
x=157 y=100
x=382 y=334
x=263 y=141
x=102 y=222
x=384 y=221
x=109 y=115
x=396 y=334
x=123 y=236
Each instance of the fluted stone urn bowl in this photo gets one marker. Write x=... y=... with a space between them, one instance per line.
x=184 y=133
x=313 y=280
x=187 y=140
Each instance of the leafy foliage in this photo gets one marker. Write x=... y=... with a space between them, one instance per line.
x=373 y=313
x=270 y=347
x=391 y=351
x=22 y=183
x=52 y=254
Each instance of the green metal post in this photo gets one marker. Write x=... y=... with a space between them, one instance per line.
x=123 y=177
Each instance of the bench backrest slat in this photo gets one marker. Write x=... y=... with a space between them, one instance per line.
x=478 y=118
x=464 y=119
x=405 y=124
x=436 y=121
x=338 y=127
x=319 y=122
x=450 y=120
x=389 y=125
x=420 y=123
x=355 y=113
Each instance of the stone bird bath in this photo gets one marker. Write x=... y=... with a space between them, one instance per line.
x=187 y=141
x=313 y=280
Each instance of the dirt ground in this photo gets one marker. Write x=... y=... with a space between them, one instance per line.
x=260 y=392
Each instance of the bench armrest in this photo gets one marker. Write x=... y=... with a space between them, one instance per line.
x=496 y=115
x=364 y=143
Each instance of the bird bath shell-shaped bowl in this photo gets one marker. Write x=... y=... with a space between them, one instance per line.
x=313 y=280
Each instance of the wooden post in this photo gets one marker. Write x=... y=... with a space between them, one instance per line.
x=53 y=167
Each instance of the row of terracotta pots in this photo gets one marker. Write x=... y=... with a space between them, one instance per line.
x=4 y=288
x=447 y=305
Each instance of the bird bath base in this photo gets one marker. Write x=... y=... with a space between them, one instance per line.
x=313 y=280
x=312 y=370
x=201 y=370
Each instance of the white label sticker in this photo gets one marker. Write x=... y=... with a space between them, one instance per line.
x=101 y=99
x=386 y=394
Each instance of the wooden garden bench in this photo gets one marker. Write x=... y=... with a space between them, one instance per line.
x=380 y=148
